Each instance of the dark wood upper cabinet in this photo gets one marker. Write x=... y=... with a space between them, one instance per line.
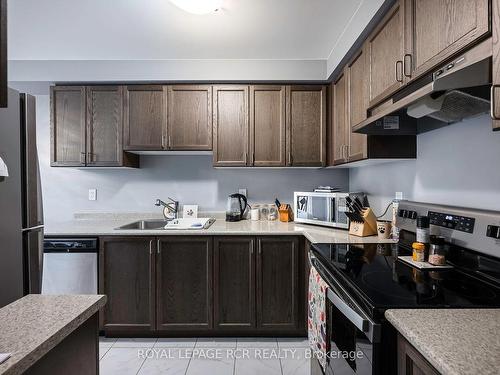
x=278 y=294
x=234 y=283
x=126 y=276
x=3 y=53
x=68 y=127
x=267 y=125
x=189 y=123
x=104 y=125
x=231 y=125
x=495 y=90
x=357 y=105
x=144 y=117
x=339 y=125
x=435 y=30
x=184 y=272
x=385 y=53
x=306 y=125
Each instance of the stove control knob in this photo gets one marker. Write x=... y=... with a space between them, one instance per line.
x=413 y=215
x=403 y=213
x=493 y=231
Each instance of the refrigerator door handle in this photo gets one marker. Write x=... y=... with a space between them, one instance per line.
x=32 y=228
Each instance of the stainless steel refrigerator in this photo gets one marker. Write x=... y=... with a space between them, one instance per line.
x=21 y=216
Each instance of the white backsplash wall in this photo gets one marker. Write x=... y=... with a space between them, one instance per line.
x=189 y=179
x=457 y=165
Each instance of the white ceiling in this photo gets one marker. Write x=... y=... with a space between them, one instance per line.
x=291 y=31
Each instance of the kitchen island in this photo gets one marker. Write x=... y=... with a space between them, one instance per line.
x=452 y=341
x=51 y=334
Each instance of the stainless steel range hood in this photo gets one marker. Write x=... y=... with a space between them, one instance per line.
x=458 y=90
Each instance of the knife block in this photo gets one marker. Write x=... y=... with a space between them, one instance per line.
x=366 y=228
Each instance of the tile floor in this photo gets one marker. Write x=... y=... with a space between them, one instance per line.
x=204 y=356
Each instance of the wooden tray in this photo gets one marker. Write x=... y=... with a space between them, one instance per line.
x=422 y=265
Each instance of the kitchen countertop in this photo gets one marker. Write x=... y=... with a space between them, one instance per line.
x=31 y=326
x=454 y=341
x=105 y=225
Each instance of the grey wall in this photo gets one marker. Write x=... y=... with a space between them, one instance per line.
x=190 y=179
x=457 y=165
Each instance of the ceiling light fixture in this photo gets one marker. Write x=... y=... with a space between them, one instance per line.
x=198 y=6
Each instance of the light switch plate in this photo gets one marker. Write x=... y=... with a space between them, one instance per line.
x=92 y=194
x=190 y=210
x=399 y=195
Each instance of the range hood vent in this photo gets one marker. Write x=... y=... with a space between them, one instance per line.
x=452 y=93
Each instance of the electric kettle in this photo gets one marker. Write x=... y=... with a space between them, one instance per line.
x=236 y=206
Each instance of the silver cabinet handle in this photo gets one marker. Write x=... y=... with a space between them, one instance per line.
x=150 y=247
x=158 y=245
x=399 y=63
x=492 y=102
x=82 y=157
x=290 y=158
x=408 y=57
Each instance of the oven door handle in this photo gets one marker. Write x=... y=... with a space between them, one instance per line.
x=361 y=323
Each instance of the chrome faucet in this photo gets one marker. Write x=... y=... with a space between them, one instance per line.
x=170 y=209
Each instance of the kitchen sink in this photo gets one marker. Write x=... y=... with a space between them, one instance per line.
x=175 y=224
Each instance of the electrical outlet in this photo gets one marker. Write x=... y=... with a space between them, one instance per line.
x=243 y=191
x=399 y=195
x=92 y=194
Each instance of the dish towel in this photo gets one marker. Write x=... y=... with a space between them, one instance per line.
x=316 y=318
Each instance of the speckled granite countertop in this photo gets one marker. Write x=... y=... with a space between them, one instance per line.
x=106 y=224
x=33 y=325
x=454 y=341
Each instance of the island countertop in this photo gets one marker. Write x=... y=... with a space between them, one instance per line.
x=31 y=326
x=454 y=341
x=105 y=225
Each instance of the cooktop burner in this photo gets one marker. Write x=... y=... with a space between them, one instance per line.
x=373 y=275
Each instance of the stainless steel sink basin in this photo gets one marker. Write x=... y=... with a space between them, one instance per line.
x=176 y=224
x=145 y=225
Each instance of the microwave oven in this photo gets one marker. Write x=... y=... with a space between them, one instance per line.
x=319 y=208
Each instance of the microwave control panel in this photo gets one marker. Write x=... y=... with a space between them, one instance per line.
x=456 y=222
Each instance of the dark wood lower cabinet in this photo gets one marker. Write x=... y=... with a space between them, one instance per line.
x=201 y=285
x=184 y=283
x=278 y=283
x=410 y=361
x=234 y=283
x=126 y=276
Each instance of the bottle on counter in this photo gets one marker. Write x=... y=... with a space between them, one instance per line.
x=423 y=233
x=418 y=252
x=437 y=251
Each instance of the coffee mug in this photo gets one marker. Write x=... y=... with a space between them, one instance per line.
x=384 y=229
x=255 y=213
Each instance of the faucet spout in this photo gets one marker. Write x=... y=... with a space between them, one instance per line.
x=170 y=209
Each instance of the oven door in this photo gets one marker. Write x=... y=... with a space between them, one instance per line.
x=353 y=336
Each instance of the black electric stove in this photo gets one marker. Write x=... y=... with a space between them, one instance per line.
x=366 y=279
x=377 y=280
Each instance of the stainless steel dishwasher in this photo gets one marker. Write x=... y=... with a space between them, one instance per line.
x=70 y=266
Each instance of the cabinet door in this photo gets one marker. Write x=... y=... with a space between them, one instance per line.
x=234 y=283
x=410 y=361
x=104 y=125
x=189 y=124
x=267 y=125
x=436 y=29
x=277 y=283
x=357 y=106
x=144 y=118
x=230 y=125
x=340 y=120
x=126 y=276
x=184 y=283
x=385 y=50
x=306 y=121
x=67 y=121
x=495 y=90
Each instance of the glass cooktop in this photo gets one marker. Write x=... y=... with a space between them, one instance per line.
x=373 y=276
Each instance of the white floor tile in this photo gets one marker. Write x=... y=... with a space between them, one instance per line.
x=300 y=366
x=216 y=342
x=120 y=361
x=135 y=343
x=217 y=366
x=103 y=350
x=175 y=342
x=106 y=342
x=159 y=364
x=293 y=342
x=258 y=366
x=256 y=342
